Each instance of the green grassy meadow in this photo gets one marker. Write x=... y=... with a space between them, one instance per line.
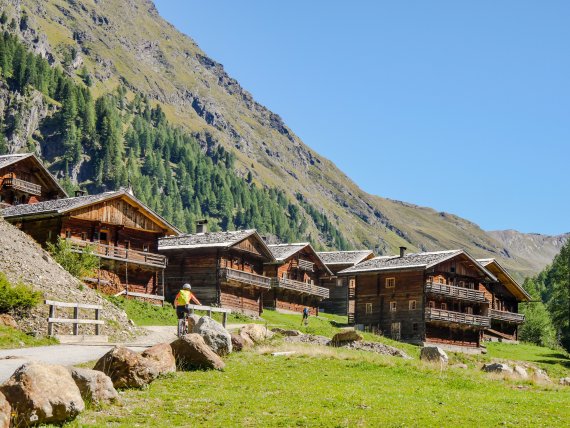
x=12 y=338
x=335 y=387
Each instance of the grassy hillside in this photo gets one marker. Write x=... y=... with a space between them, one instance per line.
x=145 y=53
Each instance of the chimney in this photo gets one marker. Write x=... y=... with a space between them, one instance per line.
x=402 y=251
x=202 y=226
x=79 y=193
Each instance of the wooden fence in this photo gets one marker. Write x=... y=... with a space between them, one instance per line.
x=75 y=320
x=210 y=309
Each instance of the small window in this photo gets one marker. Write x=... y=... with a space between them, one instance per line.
x=390 y=282
x=392 y=306
x=462 y=283
x=102 y=236
x=430 y=279
x=368 y=308
x=283 y=275
x=444 y=306
x=339 y=282
x=441 y=280
x=415 y=327
x=471 y=285
x=352 y=283
x=84 y=236
x=412 y=305
x=469 y=310
x=431 y=304
x=68 y=234
x=128 y=245
x=145 y=248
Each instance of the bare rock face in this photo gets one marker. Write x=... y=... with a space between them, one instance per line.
x=257 y=333
x=215 y=335
x=346 y=335
x=434 y=354
x=162 y=357
x=95 y=386
x=497 y=368
x=8 y=321
x=5 y=412
x=127 y=369
x=42 y=394
x=191 y=351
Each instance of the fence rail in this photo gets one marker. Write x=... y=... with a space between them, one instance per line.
x=460 y=293
x=513 y=317
x=119 y=253
x=299 y=286
x=23 y=185
x=75 y=320
x=245 y=277
x=433 y=314
x=210 y=309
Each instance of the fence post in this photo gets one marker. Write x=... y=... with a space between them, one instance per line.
x=225 y=319
x=51 y=315
x=209 y=312
x=76 y=316
x=97 y=326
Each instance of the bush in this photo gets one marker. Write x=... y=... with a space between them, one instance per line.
x=78 y=264
x=19 y=297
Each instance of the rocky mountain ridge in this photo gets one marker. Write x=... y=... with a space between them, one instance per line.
x=143 y=52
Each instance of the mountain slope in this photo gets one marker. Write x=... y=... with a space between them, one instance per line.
x=127 y=42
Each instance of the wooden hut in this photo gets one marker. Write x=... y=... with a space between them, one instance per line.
x=431 y=297
x=297 y=273
x=337 y=303
x=24 y=180
x=224 y=268
x=504 y=296
x=115 y=226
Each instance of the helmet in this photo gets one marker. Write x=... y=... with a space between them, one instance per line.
x=187 y=287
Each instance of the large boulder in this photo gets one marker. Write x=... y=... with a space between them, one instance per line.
x=565 y=381
x=434 y=354
x=192 y=321
x=239 y=343
x=191 y=351
x=94 y=385
x=520 y=371
x=346 y=335
x=287 y=333
x=215 y=335
x=541 y=376
x=497 y=368
x=162 y=357
x=5 y=412
x=8 y=321
x=257 y=333
x=127 y=369
x=42 y=394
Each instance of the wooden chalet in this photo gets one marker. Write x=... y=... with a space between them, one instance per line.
x=504 y=296
x=432 y=297
x=24 y=180
x=338 y=286
x=297 y=273
x=224 y=268
x=115 y=226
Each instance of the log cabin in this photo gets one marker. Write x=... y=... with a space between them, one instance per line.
x=504 y=297
x=116 y=227
x=224 y=268
x=297 y=273
x=431 y=297
x=337 y=303
x=24 y=180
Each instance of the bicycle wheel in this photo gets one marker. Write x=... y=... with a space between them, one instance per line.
x=181 y=327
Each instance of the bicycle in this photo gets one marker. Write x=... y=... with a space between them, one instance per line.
x=183 y=325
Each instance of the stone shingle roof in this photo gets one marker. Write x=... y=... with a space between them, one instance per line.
x=6 y=160
x=343 y=257
x=409 y=261
x=56 y=205
x=284 y=251
x=204 y=240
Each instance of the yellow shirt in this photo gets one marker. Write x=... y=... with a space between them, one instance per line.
x=183 y=298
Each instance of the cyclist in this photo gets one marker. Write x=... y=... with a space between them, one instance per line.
x=183 y=299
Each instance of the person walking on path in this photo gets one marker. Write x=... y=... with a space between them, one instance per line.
x=305 y=319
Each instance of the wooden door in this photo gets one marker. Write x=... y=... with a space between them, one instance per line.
x=396 y=330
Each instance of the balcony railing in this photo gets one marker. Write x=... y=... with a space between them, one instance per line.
x=245 y=277
x=306 y=265
x=460 y=293
x=119 y=253
x=506 y=316
x=433 y=314
x=22 y=185
x=302 y=287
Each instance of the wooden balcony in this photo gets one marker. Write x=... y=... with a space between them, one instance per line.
x=261 y=281
x=22 y=186
x=119 y=253
x=433 y=314
x=511 y=317
x=459 y=293
x=301 y=287
x=303 y=265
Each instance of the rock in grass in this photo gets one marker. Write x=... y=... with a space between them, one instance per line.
x=215 y=335
x=346 y=335
x=42 y=394
x=162 y=357
x=127 y=369
x=434 y=354
x=239 y=343
x=8 y=321
x=521 y=372
x=541 y=376
x=497 y=368
x=95 y=386
x=191 y=351
x=257 y=333
x=5 y=412
x=565 y=381
x=287 y=333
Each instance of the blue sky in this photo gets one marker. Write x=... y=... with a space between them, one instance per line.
x=460 y=106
